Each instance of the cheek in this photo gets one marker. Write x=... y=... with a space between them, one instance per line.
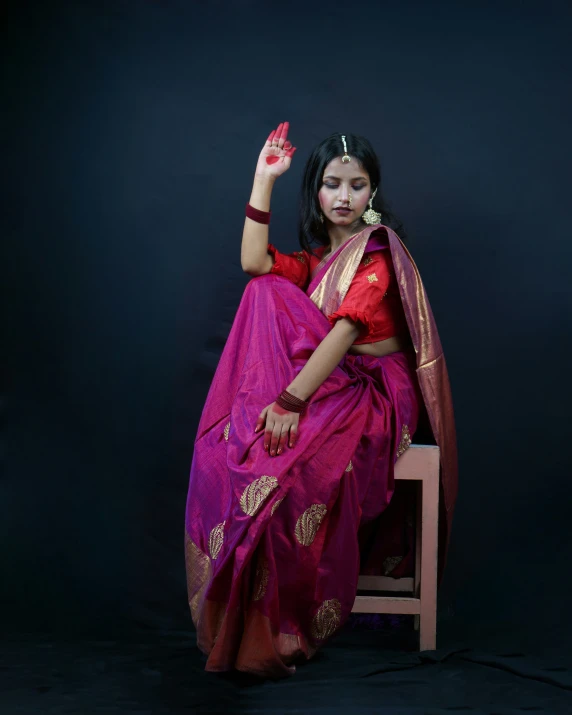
x=323 y=198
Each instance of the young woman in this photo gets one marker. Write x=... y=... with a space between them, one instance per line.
x=332 y=359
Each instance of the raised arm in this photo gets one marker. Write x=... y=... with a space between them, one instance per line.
x=275 y=159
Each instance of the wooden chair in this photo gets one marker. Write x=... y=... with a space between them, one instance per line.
x=419 y=463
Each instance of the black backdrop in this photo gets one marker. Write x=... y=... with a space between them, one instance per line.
x=130 y=135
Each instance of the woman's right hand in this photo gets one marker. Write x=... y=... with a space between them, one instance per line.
x=276 y=155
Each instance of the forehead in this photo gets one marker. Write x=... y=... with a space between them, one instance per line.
x=351 y=170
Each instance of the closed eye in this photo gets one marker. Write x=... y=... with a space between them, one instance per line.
x=354 y=188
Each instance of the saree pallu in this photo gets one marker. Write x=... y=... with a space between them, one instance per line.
x=271 y=543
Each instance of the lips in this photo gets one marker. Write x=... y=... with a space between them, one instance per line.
x=342 y=211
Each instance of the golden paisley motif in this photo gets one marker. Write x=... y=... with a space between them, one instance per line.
x=349 y=467
x=309 y=522
x=326 y=620
x=390 y=563
x=216 y=539
x=276 y=505
x=198 y=567
x=261 y=580
x=226 y=431
x=255 y=494
x=405 y=441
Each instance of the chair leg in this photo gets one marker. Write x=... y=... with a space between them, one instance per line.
x=428 y=581
x=418 y=528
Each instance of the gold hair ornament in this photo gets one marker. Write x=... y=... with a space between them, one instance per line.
x=346 y=157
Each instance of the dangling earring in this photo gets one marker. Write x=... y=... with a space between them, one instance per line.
x=370 y=216
x=321 y=217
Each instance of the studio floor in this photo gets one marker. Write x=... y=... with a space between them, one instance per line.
x=491 y=670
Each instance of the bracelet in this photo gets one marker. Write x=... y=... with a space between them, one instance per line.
x=290 y=402
x=257 y=215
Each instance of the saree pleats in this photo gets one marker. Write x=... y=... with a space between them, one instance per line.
x=271 y=543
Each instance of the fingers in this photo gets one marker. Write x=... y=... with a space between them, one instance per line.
x=282 y=439
x=277 y=134
x=261 y=420
x=278 y=139
x=274 y=136
x=293 y=436
x=283 y=134
x=267 y=437
x=275 y=438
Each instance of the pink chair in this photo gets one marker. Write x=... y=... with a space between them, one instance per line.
x=420 y=463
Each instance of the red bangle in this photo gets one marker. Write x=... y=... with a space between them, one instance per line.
x=290 y=402
x=257 y=215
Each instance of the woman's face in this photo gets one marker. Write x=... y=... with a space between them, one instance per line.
x=339 y=182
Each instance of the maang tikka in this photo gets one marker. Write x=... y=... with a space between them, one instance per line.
x=346 y=157
x=370 y=216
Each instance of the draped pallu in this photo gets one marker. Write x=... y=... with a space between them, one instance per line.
x=271 y=543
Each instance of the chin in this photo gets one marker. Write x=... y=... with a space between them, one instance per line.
x=342 y=220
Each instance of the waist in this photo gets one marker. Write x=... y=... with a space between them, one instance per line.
x=382 y=347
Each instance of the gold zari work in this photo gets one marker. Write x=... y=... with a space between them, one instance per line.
x=371 y=278
x=199 y=572
x=216 y=539
x=349 y=467
x=255 y=494
x=226 y=431
x=405 y=441
x=309 y=522
x=276 y=505
x=261 y=580
x=390 y=563
x=327 y=619
x=301 y=258
x=367 y=260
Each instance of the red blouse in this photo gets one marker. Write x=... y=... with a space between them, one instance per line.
x=372 y=301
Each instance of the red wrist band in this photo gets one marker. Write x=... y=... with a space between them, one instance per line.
x=290 y=402
x=257 y=215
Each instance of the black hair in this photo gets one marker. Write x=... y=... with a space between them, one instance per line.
x=310 y=228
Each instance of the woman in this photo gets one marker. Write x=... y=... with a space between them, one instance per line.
x=332 y=359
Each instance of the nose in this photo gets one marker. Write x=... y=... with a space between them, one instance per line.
x=343 y=193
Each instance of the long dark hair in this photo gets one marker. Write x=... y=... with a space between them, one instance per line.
x=310 y=228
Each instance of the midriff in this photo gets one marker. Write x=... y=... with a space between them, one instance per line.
x=382 y=347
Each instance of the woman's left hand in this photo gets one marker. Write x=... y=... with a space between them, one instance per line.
x=279 y=424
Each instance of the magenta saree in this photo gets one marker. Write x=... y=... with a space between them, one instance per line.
x=271 y=543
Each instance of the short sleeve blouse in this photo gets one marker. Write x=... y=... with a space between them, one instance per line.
x=372 y=301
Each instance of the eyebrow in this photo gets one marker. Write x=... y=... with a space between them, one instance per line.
x=356 y=178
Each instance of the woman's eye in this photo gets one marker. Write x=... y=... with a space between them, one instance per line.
x=335 y=186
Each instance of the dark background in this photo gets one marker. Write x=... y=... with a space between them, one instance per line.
x=130 y=133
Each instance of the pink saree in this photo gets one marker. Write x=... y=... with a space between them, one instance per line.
x=271 y=543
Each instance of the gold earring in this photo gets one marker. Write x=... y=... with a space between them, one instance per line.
x=370 y=216
x=322 y=217
x=350 y=200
